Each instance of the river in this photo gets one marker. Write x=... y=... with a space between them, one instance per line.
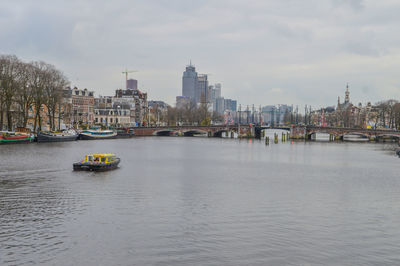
x=200 y=201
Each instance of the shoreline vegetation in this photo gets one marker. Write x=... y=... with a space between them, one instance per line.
x=29 y=88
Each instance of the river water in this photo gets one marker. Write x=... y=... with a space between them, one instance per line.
x=200 y=201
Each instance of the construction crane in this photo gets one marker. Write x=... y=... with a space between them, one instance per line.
x=126 y=75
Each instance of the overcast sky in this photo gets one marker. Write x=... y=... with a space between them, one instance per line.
x=262 y=51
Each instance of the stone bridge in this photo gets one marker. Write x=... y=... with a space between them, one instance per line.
x=337 y=133
x=210 y=131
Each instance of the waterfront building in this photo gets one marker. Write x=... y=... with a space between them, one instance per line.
x=79 y=107
x=111 y=112
x=127 y=108
x=138 y=104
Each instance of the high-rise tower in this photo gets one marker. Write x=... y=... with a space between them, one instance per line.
x=189 y=82
x=201 y=94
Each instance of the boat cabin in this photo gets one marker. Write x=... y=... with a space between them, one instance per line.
x=100 y=158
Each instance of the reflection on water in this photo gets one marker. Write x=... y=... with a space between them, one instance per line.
x=200 y=201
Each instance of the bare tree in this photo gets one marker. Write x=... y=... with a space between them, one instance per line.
x=24 y=95
x=53 y=87
x=9 y=85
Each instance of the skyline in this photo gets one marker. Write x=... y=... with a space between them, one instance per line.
x=261 y=52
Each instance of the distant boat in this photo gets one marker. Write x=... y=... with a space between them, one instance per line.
x=97 y=162
x=69 y=135
x=7 y=137
x=125 y=133
x=97 y=134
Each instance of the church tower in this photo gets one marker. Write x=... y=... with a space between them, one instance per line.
x=347 y=98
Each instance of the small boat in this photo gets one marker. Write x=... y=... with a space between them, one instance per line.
x=69 y=135
x=125 y=133
x=97 y=134
x=7 y=137
x=97 y=162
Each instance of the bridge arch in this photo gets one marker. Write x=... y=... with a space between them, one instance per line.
x=194 y=132
x=388 y=136
x=364 y=135
x=165 y=132
x=219 y=133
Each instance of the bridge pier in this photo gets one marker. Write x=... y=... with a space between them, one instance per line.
x=338 y=137
x=298 y=132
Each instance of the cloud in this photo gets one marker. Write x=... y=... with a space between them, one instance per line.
x=354 y=4
x=310 y=48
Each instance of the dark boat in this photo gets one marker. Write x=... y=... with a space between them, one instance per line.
x=57 y=137
x=125 y=133
x=14 y=138
x=97 y=134
x=97 y=162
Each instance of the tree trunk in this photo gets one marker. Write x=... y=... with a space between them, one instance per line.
x=1 y=117
x=9 y=119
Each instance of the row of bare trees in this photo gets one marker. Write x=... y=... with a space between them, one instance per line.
x=27 y=89
x=192 y=114
x=387 y=114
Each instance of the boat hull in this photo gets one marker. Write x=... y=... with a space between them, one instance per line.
x=98 y=167
x=123 y=135
x=54 y=138
x=88 y=136
x=15 y=139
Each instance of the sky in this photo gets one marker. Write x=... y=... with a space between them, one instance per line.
x=262 y=51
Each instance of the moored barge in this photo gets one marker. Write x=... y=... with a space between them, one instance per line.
x=7 y=137
x=70 y=135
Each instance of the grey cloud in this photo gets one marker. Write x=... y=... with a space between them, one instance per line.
x=354 y=4
x=306 y=48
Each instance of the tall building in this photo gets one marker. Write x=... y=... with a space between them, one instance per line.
x=214 y=94
x=217 y=88
x=201 y=94
x=189 y=82
x=220 y=105
x=131 y=84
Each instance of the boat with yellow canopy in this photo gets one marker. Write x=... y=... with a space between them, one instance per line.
x=97 y=162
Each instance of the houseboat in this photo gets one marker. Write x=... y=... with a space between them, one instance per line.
x=68 y=135
x=7 y=137
x=97 y=162
x=97 y=134
x=125 y=133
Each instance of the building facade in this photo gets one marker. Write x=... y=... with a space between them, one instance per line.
x=78 y=107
